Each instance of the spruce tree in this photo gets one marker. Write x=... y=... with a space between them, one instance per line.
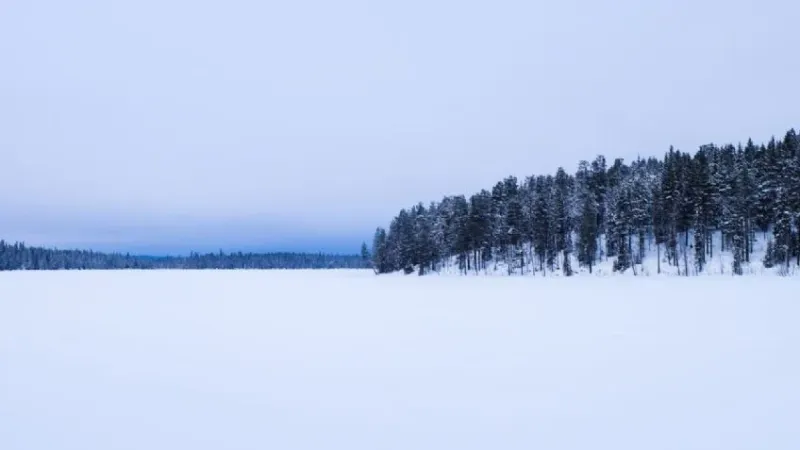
x=380 y=261
x=588 y=233
x=620 y=226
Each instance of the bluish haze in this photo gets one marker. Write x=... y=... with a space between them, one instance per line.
x=159 y=127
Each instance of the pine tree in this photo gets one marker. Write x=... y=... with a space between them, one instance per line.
x=620 y=226
x=380 y=261
x=514 y=227
x=460 y=230
x=541 y=225
x=641 y=203
x=588 y=237
x=562 y=222
x=598 y=186
x=365 y=255
x=479 y=228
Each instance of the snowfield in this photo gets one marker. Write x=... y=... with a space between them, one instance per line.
x=346 y=360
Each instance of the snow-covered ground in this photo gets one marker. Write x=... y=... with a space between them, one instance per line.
x=346 y=360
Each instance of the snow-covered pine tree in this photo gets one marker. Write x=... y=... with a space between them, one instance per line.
x=588 y=229
x=542 y=223
x=380 y=260
x=620 y=227
x=562 y=220
x=366 y=257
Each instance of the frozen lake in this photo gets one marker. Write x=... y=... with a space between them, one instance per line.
x=346 y=360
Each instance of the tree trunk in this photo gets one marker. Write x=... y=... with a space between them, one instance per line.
x=711 y=245
x=746 y=242
x=530 y=256
x=798 y=258
x=641 y=246
x=630 y=250
x=686 y=253
x=658 y=256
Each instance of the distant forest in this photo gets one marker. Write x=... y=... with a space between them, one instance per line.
x=21 y=257
x=613 y=211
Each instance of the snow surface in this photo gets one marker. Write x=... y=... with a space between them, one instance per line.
x=346 y=360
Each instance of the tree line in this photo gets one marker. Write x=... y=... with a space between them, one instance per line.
x=18 y=256
x=613 y=211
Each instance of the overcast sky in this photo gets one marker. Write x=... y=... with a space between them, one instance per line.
x=164 y=126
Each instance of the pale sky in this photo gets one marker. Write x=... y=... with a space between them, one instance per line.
x=163 y=126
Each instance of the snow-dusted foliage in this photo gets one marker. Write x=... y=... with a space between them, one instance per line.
x=725 y=209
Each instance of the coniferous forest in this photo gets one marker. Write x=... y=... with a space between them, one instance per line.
x=18 y=256
x=671 y=209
